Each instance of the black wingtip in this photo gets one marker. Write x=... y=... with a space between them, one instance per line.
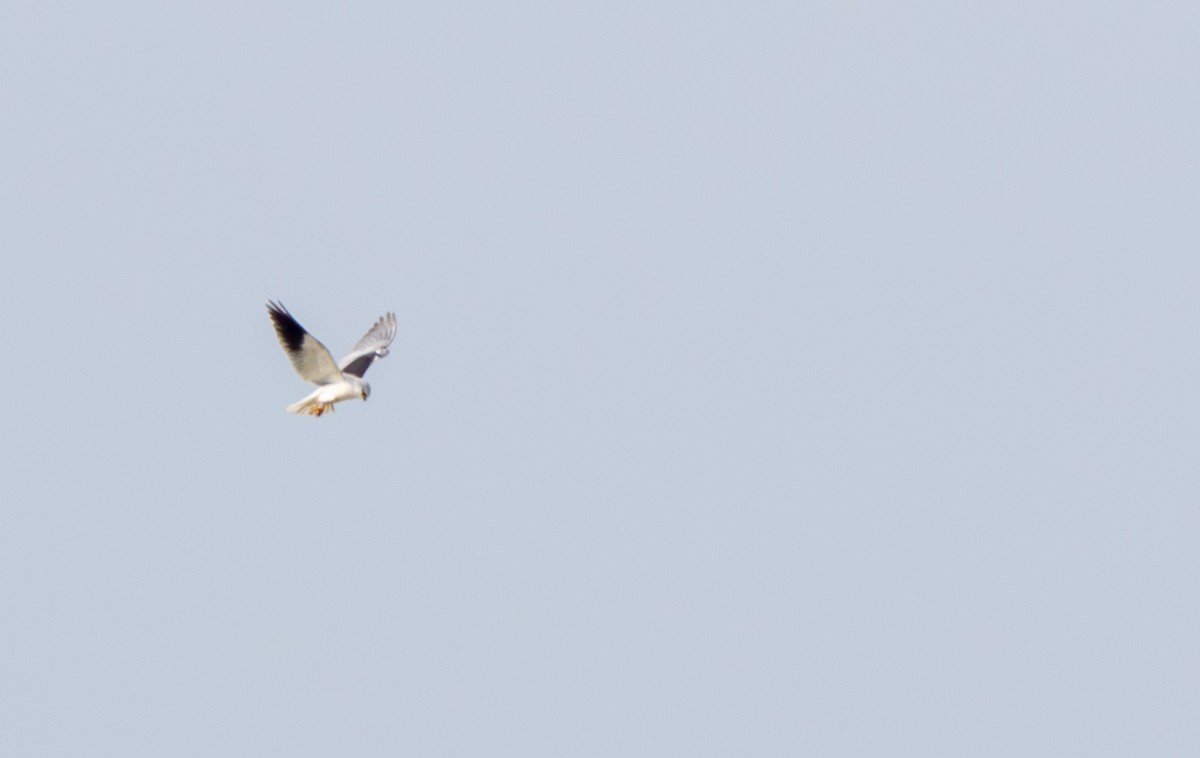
x=291 y=334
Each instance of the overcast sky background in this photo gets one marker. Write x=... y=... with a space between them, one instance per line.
x=773 y=379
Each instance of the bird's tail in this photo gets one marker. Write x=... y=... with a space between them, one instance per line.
x=303 y=406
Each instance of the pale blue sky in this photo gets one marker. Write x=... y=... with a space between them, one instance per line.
x=772 y=379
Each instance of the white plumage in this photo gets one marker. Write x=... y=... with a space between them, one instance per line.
x=335 y=381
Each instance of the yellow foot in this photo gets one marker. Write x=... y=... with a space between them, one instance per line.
x=316 y=410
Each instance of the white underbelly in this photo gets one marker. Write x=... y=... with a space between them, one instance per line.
x=335 y=393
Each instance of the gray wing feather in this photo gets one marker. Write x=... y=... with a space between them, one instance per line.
x=309 y=357
x=372 y=346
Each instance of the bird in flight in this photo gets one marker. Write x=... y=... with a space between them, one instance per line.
x=335 y=381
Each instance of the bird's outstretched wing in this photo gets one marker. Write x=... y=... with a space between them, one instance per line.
x=372 y=346
x=309 y=357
